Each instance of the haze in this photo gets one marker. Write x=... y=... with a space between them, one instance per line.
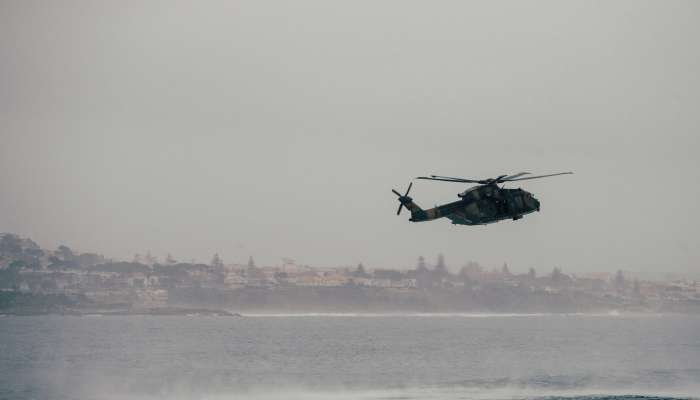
x=277 y=129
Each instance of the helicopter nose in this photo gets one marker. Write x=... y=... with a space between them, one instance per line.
x=537 y=204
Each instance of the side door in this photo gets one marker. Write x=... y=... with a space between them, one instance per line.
x=518 y=203
x=514 y=202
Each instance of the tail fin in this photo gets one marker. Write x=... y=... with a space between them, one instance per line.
x=417 y=213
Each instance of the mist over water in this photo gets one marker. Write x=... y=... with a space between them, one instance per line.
x=350 y=357
x=274 y=132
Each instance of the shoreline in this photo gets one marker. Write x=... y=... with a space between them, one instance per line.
x=203 y=312
x=166 y=311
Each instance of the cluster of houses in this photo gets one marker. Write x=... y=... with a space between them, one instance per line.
x=25 y=267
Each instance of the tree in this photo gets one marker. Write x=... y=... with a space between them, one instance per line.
x=440 y=272
x=472 y=269
x=361 y=269
x=421 y=267
x=423 y=276
x=440 y=266
x=216 y=261
x=169 y=260
x=10 y=244
x=89 y=259
x=504 y=270
x=465 y=273
x=150 y=260
x=9 y=278
x=360 y=272
x=619 y=280
x=65 y=253
x=556 y=276
x=532 y=274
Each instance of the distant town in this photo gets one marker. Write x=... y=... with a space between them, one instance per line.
x=35 y=281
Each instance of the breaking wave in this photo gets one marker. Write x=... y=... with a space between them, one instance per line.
x=611 y=313
x=533 y=388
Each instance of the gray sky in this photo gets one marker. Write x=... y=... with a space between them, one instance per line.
x=277 y=129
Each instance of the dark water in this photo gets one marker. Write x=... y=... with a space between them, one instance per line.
x=350 y=357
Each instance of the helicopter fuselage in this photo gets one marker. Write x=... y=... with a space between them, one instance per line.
x=481 y=205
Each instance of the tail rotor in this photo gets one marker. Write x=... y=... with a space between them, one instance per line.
x=403 y=199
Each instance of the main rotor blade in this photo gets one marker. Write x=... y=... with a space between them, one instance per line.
x=446 y=179
x=516 y=175
x=457 y=179
x=537 y=177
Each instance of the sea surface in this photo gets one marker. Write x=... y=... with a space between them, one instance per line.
x=344 y=356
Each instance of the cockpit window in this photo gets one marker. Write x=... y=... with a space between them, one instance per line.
x=518 y=201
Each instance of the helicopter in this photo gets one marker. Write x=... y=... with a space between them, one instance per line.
x=479 y=205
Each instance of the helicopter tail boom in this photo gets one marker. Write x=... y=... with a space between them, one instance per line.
x=417 y=213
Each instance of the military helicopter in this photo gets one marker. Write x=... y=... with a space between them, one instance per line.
x=479 y=205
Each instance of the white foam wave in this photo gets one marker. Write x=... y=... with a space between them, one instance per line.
x=436 y=315
x=429 y=393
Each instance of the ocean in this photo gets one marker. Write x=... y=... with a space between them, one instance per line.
x=351 y=356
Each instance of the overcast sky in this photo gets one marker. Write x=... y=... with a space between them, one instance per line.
x=277 y=129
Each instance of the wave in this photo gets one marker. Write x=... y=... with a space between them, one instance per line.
x=438 y=315
x=536 y=388
x=533 y=388
x=416 y=394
